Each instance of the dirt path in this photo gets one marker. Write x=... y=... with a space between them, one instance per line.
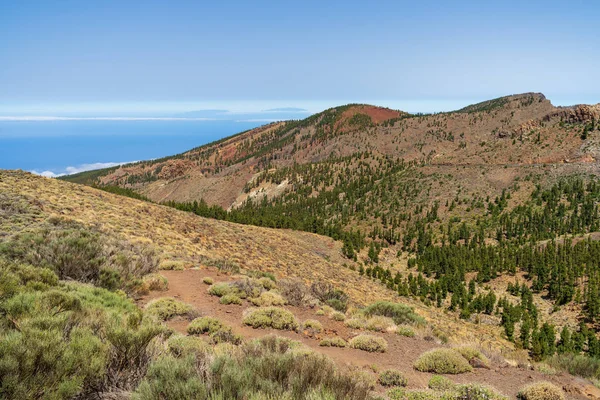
x=188 y=287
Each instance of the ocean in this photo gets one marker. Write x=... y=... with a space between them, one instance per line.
x=62 y=146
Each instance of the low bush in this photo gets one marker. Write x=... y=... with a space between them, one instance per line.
x=541 y=391
x=475 y=391
x=204 y=325
x=329 y=295
x=356 y=322
x=208 y=280
x=180 y=345
x=579 y=365
x=400 y=313
x=171 y=378
x=440 y=383
x=392 y=377
x=267 y=299
x=396 y=393
x=230 y=298
x=171 y=265
x=295 y=292
x=166 y=308
x=369 y=343
x=156 y=282
x=405 y=331
x=442 y=361
x=248 y=287
x=218 y=331
x=335 y=341
x=470 y=353
x=268 y=283
x=337 y=316
x=312 y=325
x=220 y=289
x=424 y=394
x=270 y=317
x=380 y=324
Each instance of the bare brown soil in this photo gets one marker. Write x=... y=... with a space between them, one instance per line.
x=188 y=287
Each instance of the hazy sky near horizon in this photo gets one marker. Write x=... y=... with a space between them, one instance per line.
x=118 y=57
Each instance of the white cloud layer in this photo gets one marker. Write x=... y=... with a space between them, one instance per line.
x=70 y=170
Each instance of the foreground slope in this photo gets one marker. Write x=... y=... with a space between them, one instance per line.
x=83 y=318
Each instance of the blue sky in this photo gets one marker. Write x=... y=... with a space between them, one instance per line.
x=63 y=57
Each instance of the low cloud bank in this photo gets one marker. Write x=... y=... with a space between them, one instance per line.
x=70 y=170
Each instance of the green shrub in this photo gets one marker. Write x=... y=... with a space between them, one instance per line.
x=180 y=345
x=380 y=324
x=312 y=325
x=327 y=294
x=171 y=265
x=217 y=330
x=204 y=325
x=270 y=317
x=230 y=298
x=335 y=341
x=396 y=393
x=208 y=280
x=171 y=378
x=405 y=331
x=156 y=282
x=267 y=299
x=274 y=368
x=471 y=353
x=392 y=377
x=337 y=316
x=578 y=365
x=400 y=313
x=369 y=343
x=423 y=394
x=440 y=383
x=442 y=361
x=541 y=391
x=166 y=308
x=220 y=289
x=267 y=283
x=355 y=323
x=475 y=391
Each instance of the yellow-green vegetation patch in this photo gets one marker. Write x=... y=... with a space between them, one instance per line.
x=268 y=283
x=334 y=341
x=400 y=313
x=220 y=289
x=156 y=282
x=406 y=331
x=180 y=345
x=230 y=298
x=442 y=361
x=312 y=325
x=356 y=322
x=379 y=323
x=471 y=353
x=267 y=299
x=217 y=330
x=171 y=265
x=337 y=316
x=476 y=391
x=396 y=393
x=270 y=317
x=370 y=343
x=440 y=383
x=392 y=377
x=207 y=280
x=166 y=308
x=541 y=391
